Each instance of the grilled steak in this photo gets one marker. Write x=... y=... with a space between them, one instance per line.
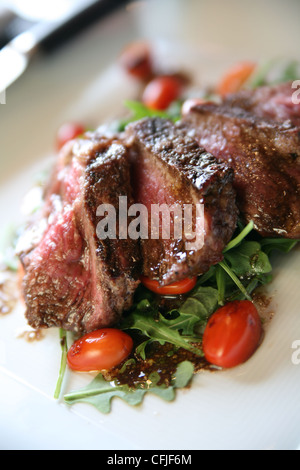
x=169 y=168
x=263 y=152
x=72 y=278
x=272 y=102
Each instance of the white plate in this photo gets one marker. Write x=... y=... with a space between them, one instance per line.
x=255 y=406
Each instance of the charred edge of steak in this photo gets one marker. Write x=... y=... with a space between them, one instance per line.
x=109 y=175
x=170 y=167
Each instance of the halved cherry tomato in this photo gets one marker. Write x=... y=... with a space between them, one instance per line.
x=100 y=350
x=67 y=132
x=235 y=78
x=232 y=334
x=160 y=92
x=177 y=288
x=137 y=61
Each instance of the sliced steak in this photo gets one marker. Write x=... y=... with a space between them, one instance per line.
x=170 y=168
x=73 y=279
x=271 y=102
x=265 y=157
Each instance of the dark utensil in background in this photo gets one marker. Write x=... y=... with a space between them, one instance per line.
x=12 y=25
x=45 y=36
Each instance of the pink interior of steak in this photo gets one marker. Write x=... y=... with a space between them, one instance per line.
x=152 y=187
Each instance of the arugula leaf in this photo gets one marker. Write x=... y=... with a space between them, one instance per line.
x=272 y=244
x=248 y=260
x=140 y=111
x=184 y=374
x=240 y=237
x=235 y=279
x=196 y=310
x=157 y=328
x=63 y=363
x=100 y=393
x=141 y=349
x=246 y=265
x=221 y=284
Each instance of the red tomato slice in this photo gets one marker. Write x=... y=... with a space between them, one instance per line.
x=100 y=350
x=160 y=92
x=67 y=132
x=232 y=334
x=177 y=288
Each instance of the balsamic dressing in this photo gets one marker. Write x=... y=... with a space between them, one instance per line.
x=159 y=366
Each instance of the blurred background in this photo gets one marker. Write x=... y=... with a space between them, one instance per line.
x=80 y=80
x=256 y=27
x=259 y=28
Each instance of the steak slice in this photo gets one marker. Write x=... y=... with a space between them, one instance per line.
x=265 y=157
x=169 y=168
x=73 y=279
x=271 y=102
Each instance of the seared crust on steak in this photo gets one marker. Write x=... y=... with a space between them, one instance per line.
x=170 y=168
